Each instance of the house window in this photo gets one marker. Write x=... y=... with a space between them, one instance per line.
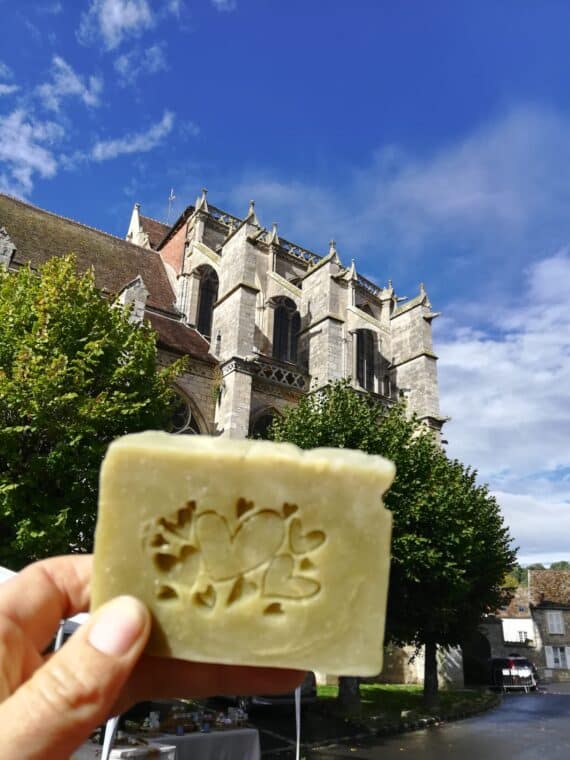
x=365 y=359
x=555 y=622
x=557 y=657
x=286 y=327
x=522 y=636
x=522 y=609
x=206 y=300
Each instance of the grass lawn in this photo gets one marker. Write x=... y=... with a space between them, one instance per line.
x=393 y=702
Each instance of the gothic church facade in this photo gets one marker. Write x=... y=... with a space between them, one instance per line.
x=262 y=319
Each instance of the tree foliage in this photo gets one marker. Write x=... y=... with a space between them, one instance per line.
x=450 y=548
x=74 y=374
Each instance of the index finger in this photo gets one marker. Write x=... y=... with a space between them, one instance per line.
x=42 y=594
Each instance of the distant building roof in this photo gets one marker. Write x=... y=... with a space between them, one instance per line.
x=155 y=230
x=549 y=587
x=518 y=607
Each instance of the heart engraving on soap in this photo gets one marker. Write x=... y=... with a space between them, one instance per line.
x=280 y=581
x=226 y=555
x=301 y=543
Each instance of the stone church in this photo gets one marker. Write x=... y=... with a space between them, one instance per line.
x=262 y=319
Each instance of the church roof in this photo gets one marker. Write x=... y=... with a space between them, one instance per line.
x=39 y=235
x=178 y=337
x=155 y=230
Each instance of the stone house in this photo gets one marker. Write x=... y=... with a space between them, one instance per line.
x=550 y=603
x=262 y=319
x=535 y=625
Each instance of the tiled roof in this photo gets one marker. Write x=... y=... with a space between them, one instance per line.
x=180 y=338
x=155 y=230
x=39 y=235
x=518 y=606
x=549 y=587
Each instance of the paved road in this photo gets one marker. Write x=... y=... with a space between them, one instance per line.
x=525 y=727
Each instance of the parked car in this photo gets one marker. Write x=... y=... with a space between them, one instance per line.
x=308 y=696
x=512 y=672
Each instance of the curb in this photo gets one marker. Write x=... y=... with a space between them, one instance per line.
x=396 y=727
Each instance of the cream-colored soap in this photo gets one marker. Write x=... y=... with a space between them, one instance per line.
x=248 y=552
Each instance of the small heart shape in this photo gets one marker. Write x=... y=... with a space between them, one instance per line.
x=280 y=581
x=241 y=590
x=243 y=506
x=289 y=509
x=273 y=609
x=206 y=598
x=301 y=543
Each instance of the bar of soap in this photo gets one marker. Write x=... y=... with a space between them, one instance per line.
x=248 y=552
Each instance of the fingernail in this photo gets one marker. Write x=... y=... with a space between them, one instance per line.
x=118 y=626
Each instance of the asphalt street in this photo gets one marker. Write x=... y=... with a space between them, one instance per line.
x=524 y=726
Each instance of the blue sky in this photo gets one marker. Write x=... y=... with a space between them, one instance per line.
x=430 y=139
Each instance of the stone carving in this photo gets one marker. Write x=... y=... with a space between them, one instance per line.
x=7 y=248
x=204 y=557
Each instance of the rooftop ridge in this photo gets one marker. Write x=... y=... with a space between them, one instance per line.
x=152 y=219
x=76 y=223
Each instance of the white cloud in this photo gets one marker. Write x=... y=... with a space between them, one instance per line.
x=5 y=71
x=506 y=387
x=8 y=89
x=51 y=9
x=135 y=143
x=26 y=150
x=66 y=83
x=541 y=526
x=495 y=196
x=130 y=66
x=114 y=21
x=224 y=5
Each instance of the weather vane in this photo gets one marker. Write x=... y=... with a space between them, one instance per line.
x=171 y=197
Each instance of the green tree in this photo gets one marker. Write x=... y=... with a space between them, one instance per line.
x=560 y=565
x=450 y=549
x=75 y=373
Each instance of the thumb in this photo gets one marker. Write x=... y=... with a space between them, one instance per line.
x=50 y=715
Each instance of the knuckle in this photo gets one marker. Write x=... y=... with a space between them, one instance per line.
x=61 y=687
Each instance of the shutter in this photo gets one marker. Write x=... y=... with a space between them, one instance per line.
x=567 y=657
x=549 y=657
x=555 y=622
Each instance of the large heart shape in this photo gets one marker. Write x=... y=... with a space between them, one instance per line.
x=304 y=542
x=280 y=581
x=255 y=541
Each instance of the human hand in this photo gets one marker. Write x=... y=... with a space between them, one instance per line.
x=50 y=705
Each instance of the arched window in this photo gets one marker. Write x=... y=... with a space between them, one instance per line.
x=365 y=359
x=286 y=326
x=206 y=300
x=183 y=421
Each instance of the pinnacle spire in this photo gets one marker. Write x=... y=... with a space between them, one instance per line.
x=251 y=215
x=274 y=237
x=201 y=202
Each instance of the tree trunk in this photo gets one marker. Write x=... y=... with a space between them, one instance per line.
x=431 y=694
x=349 y=695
